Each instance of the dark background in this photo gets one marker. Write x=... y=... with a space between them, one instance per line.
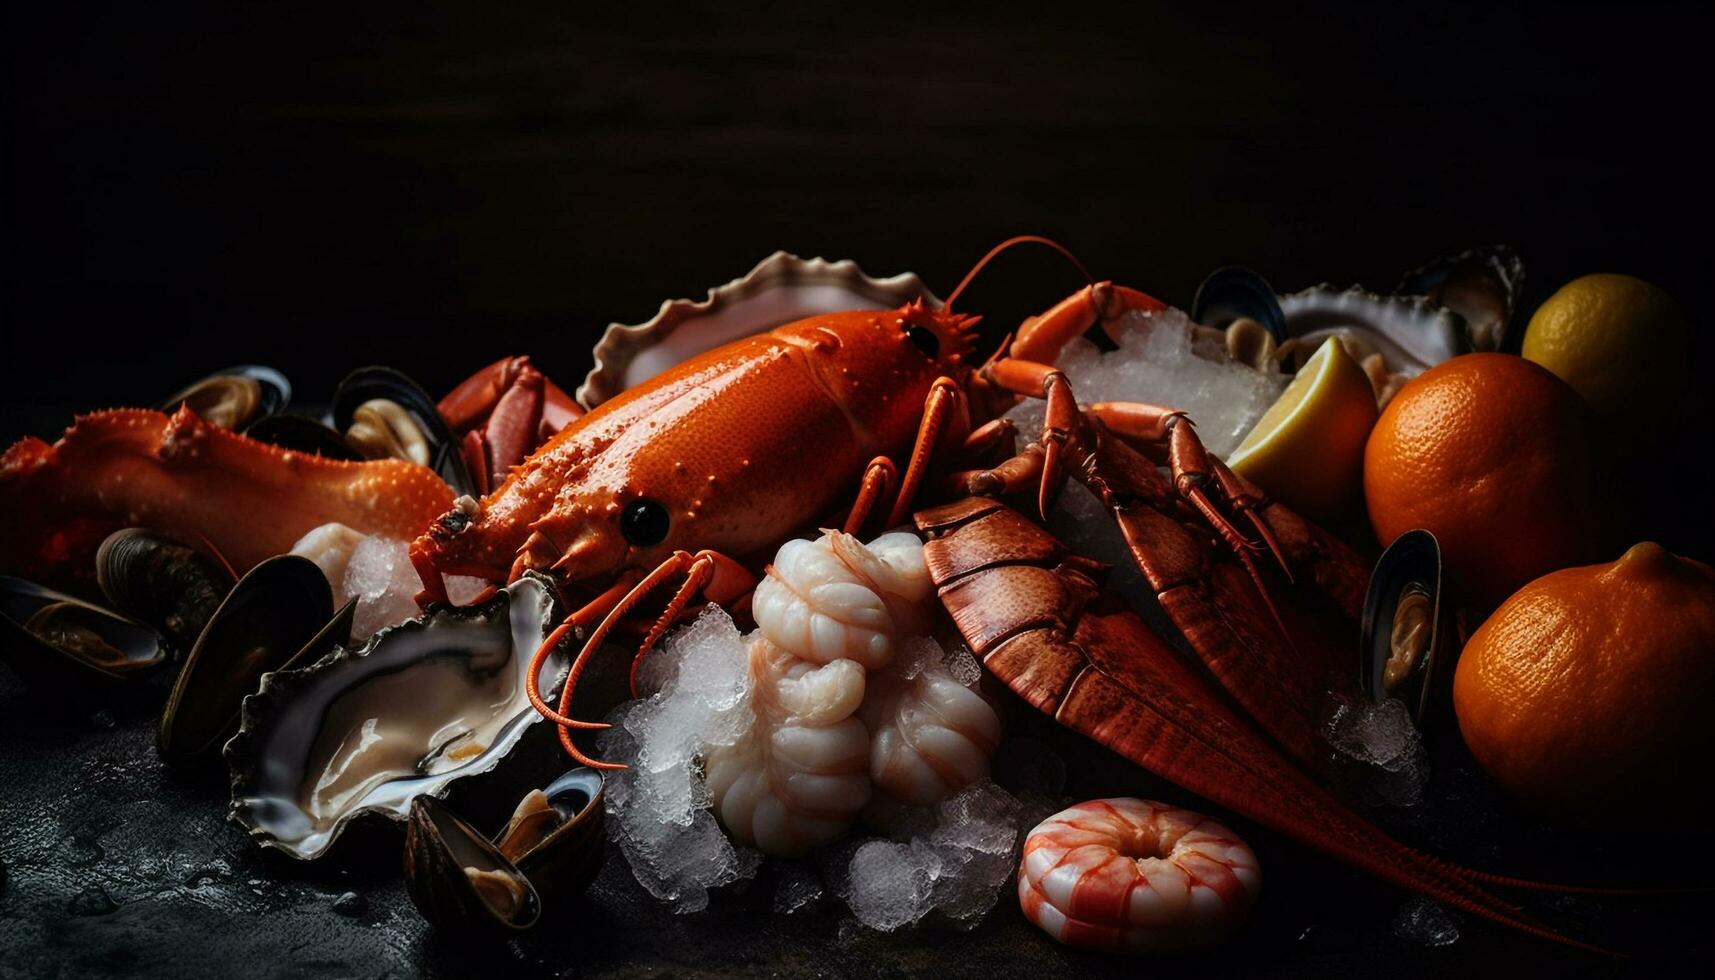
x=433 y=186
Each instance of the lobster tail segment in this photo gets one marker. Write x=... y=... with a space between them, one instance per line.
x=1034 y=614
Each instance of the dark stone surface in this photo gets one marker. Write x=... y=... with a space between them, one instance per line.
x=117 y=866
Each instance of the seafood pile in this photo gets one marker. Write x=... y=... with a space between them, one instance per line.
x=361 y=607
x=838 y=705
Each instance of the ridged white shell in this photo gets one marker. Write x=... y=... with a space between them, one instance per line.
x=782 y=288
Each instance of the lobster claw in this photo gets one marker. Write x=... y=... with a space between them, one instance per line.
x=502 y=413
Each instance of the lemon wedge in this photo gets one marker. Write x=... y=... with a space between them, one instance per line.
x=1307 y=450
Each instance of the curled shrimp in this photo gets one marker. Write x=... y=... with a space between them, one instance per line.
x=1135 y=876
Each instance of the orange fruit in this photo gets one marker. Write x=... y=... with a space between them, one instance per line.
x=1587 y=693
x=1490 y=453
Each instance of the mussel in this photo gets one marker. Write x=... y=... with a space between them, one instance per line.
x=269 y=617
x=1235 y=293
x=384 y=414
x=234 y=397
x=460 y=881
x=306 y=435
x=1406 y=628
x=555 y=835
x=58 y=642
x=161 y=581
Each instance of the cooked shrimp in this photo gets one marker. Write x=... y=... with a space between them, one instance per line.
x=1134 y=876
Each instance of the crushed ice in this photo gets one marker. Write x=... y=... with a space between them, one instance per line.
x=1155 y=365
x=658 y=806
x=376 y=571
x=1382 y=738
x=950 y=871
x=947 y=864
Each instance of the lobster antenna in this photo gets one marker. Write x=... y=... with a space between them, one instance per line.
x=1009 y=243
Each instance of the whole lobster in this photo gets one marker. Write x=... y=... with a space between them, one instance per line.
x=700 y=472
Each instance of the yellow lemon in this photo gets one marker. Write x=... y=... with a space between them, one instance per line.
x=1307 y=450
x=1619 y=342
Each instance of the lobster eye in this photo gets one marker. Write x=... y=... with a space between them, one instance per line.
x=924 y=340
x=644 y=523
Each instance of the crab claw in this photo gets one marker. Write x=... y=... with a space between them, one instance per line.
x=1041 y=338
x=502 y=413
x=247 y=500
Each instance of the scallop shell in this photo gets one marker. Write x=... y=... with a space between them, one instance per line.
x=782 y=288
x=284 y=721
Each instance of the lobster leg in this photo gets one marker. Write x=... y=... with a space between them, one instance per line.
x=1094 y=666
x=715 y=576
x=946 y=422
x=879 y=477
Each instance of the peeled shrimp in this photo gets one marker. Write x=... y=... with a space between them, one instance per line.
x=800 y=775
x=836 y=598
x=931 y=736
x=1133 y=876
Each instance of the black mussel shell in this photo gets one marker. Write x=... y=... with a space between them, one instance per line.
x=234 y=397
x=1232 y=292
x=161 y=581
x=57 y=642
x=1481 y=285
x=1404 y=634
x=565 y=860
x=270 y=615
x=337 y=633
x=369 y=383
x=459 y=881
x=302 y=434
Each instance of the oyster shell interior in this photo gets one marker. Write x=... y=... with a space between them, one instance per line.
x=415 y=708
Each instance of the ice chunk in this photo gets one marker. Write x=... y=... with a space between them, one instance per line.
x=385 y=585
x=962 y=665
x=953 y=870
x=891 y=883
x=1155 y=364
x=1424 y=921
x=917 y=654
x=659 y=805
x=1383 y=739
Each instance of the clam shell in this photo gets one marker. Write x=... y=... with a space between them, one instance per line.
x=161 y=581
x=782 y=288
x=49 y=667
x=267 y=618
x=439 y=848
x=291 y=717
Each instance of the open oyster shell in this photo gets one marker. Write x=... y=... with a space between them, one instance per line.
x=415 y=708
x=782 y=288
